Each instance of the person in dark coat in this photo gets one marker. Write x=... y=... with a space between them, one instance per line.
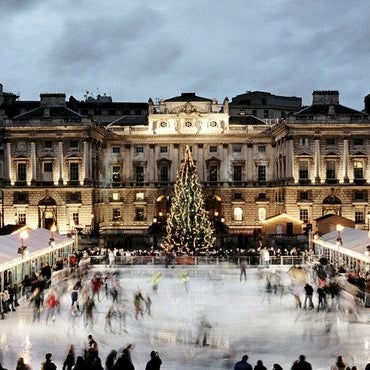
x=70 y=359
x=111 y=358
x=48 y=364
x=80 y=364
x=301 y=364
x=243 y=364
x=123 y=362
x=155 y=362
x=260 y=366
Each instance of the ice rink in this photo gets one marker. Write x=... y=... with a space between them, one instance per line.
x=241 y=318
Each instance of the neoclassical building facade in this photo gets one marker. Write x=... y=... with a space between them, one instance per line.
x=108 y=168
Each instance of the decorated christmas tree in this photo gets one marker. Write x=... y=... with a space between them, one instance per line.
x=188 y=227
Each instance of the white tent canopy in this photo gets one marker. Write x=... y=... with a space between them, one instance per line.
x=354 y=242
x=37 y=243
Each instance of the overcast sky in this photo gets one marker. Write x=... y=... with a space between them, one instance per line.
x=136 y=49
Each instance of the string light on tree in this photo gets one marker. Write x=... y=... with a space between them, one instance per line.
x=188 y=227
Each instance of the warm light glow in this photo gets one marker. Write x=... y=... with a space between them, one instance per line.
x=339 y=227
x=53 y=228
x=24 y=234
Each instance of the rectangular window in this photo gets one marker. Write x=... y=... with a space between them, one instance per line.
x=213 y=148
x=75 y=218
x=115 y=196
x=213 y=173
x=74 y=174
x=22 y=218
x=139 y=174
x=358 y=170
x=303 y=170
x=265 y=113
x=359 y=195
x=303 y=141
x=116 y=173
x=140 y=214
x=303 y=215
x=238 y=196
x=261 y=173
x=116 y=150
x=116 y=214
x=163 y=172
x=139 y=149
x=48 y=166
x=238 y=173
x=163 y=149
x=261 y=148
x=331 y=141
x=73 y=144
x=303 y=195
x=139 y=196
x=357 y=141
x=359 y=217
x=48 y=144
x=237 y=148
x=330 y=170
x=22 y=172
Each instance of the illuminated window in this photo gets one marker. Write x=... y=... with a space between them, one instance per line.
x=116 y=173
x=116 y=196
x=139 y=196
x=238 y=214
x=262 y=214
x=358 y=169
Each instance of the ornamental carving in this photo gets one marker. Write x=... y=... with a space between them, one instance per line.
x=188 y=108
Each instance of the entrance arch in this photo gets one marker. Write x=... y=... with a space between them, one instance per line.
x=47 y=212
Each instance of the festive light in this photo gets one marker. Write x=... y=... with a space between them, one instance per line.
x=188 y=227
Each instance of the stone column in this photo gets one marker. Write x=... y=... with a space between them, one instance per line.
x=317 y=161
x=61 y=163
x=250 y=163
x=153 y=163
x=345 y=161
x=8 y=163
x=33 y=162
x=224 y=164
x=290 y=156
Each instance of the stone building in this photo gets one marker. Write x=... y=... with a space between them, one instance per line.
x=108 y=168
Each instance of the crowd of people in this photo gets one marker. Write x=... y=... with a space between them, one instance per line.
x=300 y=364
x=90 y=360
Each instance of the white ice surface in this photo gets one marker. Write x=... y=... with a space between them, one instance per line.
x=244 y=320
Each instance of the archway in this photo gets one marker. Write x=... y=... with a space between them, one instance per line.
x=47 y=212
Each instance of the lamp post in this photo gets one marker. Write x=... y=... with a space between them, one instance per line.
x=53 y=229
x=155 y=226
x=22 y=250
x=339 y=240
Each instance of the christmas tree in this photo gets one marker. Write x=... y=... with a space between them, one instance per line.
x=188 y=227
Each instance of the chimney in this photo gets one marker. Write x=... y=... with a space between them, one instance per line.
x=325 y=97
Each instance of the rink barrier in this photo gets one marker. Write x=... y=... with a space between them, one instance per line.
x=252 y=261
